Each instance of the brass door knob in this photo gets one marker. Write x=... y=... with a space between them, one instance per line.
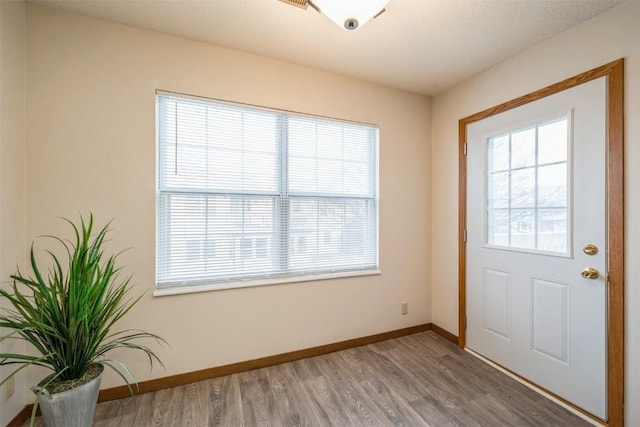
x=590 y=273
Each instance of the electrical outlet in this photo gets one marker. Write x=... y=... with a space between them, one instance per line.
x=9 y=388
x=405 y=308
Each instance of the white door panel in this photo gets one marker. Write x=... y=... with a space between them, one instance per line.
x=530 y=212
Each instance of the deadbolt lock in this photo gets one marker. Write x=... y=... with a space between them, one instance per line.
x=590 y=249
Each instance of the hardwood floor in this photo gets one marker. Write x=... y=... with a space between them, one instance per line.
x=416 y=380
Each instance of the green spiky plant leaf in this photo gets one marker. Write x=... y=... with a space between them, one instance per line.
x=69 y=315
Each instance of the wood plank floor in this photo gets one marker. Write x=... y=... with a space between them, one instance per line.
x=416 y=380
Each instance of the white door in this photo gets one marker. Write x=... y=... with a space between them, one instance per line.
x=536 y=225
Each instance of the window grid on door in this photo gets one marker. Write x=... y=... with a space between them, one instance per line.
x=527 y=187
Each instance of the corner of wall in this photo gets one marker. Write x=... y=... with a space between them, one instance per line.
x=12 y=173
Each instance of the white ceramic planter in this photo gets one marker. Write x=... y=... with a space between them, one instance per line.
x=72 y=408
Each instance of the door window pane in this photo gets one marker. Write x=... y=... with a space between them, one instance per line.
x=499 y=227
x=523 y=228
x=523 y=188
x=552 y=230
x=552 y=142
x=552 y=185
x=523 y=148
x=527 y=188
x=498 y=153
x=498 y=190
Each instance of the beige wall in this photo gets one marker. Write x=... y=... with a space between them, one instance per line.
x=12 y=138
x=91 y=147
x=609 y=36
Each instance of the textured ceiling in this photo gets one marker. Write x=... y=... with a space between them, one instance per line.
x=422 y=46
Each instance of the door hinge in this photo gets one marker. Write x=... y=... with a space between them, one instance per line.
x=465 y=323
x=465 y=148
x=464 y=236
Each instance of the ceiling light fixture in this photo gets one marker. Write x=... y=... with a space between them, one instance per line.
x=347 y=14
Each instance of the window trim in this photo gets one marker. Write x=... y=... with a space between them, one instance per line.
x=160 y=292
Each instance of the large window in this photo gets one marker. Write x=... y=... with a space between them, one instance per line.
x=251 y=196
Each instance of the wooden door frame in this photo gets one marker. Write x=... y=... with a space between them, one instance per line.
x=614 y=71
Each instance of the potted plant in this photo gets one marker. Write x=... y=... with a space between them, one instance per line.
x=68 y=317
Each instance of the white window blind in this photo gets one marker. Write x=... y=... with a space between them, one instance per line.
x=248 y=194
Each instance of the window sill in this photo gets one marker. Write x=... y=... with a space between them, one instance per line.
x=265 y=282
